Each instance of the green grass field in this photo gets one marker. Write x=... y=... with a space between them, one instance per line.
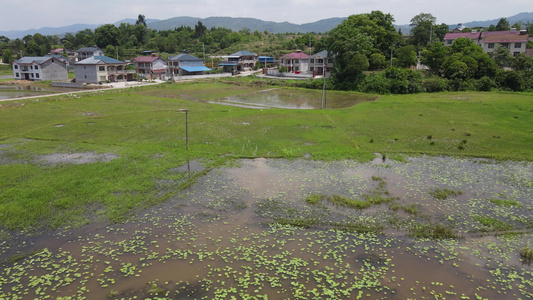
x=144 y=128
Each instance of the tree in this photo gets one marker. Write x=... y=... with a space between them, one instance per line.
x=110 y=51
x=7 y=56
x=434 y=56
x=522 y=63
x=502 y=56
x=422 y=29
x=106 y=35
x=141 y=20
x=503 y=25
x=377 y=61
x=406 y=56
x=199 y=30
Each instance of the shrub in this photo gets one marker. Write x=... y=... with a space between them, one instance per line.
x=376 y=83
x=485 y=84
x=434 y=84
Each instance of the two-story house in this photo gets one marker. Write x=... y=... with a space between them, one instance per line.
x=450 y=37
x=295 y=62
x=150 y=66
x=40 y=68
x=239 y=61
x=319 y=65
x=514 y=40
x=97 y=69
x=185 y=64
x=87 y=52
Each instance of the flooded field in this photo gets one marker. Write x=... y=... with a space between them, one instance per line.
x=421 y=228
x=19 y=91
x=295 y=99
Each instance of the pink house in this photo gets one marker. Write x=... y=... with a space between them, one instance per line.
x=296 y=62
x=150 y=66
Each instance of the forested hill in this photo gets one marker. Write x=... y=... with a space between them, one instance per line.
x=252 y=24
x=234 y=24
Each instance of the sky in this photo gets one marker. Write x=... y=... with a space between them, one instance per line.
x=35 y=14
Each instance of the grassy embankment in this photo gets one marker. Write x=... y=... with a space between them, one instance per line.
x=143 y=127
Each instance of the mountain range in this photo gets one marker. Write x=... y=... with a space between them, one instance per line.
x=237 y=24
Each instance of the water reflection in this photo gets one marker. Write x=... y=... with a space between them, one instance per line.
x=295 y=99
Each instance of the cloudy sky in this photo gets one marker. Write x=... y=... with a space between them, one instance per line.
x=35 y=14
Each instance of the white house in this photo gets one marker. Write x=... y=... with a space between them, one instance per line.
x=40 y=68
x=97 y=69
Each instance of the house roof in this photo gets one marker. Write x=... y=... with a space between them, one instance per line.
x=321 y=54
x=243 y=53
x=146 y=59
x=88 y=49
x=93 y=60
x=506 y=38
x=28 y=60
x=196 y=69
x=456 y=35
x=296 y=55
x=182 y=57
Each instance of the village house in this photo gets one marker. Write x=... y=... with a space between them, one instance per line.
x=514 y=40
x=239 y=61
x=450 y=37
x=295 y=62
x=150 y=66
x=40 y=68
x=97 y=69
x=185 y=64
x=319 y=64
x=87 y=52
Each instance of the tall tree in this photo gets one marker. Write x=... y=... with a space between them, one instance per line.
x=422 y=29
x=106 y=35
x=141 y=20
x=503 y=25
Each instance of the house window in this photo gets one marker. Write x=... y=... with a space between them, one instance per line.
x=312 y=61
x=505 y=45
x=449 y=42
x=518 y=45
x=16 y=74
x=320 y=61
x=515 y=54
x=16 y=67
x=296 y=61
x=311 y=69
x=101 y=68
x=491 y=45
x=36 y=75
x=36 y=67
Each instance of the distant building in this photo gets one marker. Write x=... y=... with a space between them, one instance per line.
x=319 y=64
x=97 y=69
x=185 y=64
x=295 y=62
x=40 y=68
x=150 y=66
x=87 y=52
x=450 y=37
x=514 y=40
x=239 y=61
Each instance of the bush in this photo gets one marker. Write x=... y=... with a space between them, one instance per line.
x=434 y=84
x=485 y=84
x=376 y=83
x=510 y=80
